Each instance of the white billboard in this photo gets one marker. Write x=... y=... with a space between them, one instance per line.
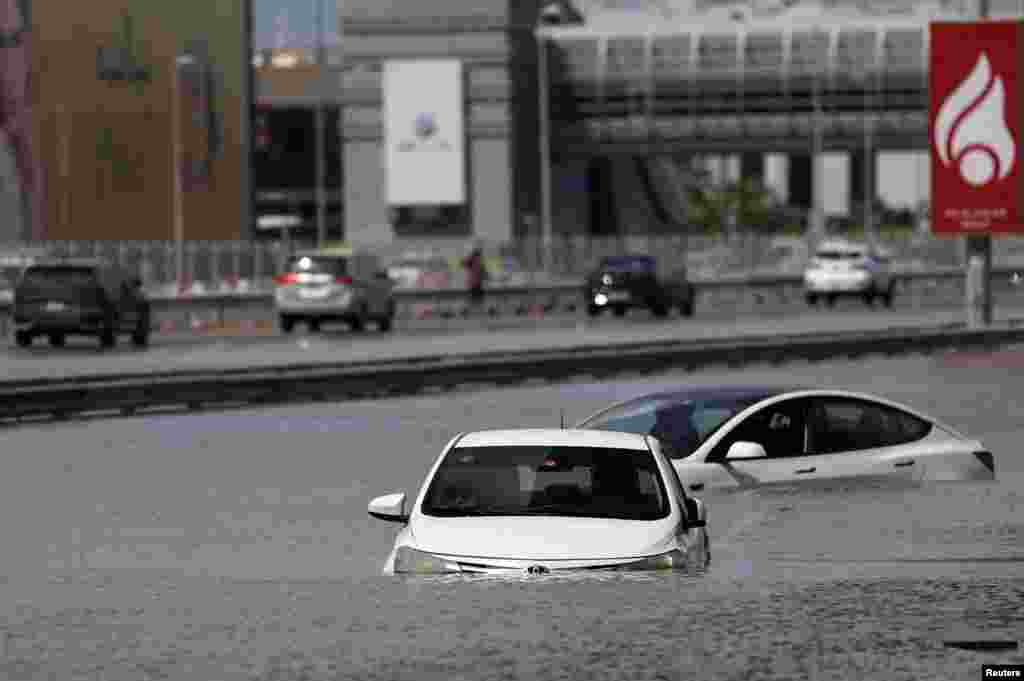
x=424 y=153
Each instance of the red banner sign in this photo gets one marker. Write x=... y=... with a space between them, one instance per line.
x=975 y=130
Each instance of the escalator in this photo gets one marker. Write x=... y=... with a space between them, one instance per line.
x=669 y=183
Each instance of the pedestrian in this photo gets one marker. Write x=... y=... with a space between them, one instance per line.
x=476 y=275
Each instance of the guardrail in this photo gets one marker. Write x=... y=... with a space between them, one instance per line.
x=133 y=393
x=738 y=292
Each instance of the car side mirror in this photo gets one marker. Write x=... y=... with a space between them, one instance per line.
x=745 y=450
x=390 y=507
x=381 y=274
x=696 y=513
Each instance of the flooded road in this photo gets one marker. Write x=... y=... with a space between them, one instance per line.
x=236 y=545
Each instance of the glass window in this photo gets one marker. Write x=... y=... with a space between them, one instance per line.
x=312 y=264
x=627 y=263
x=848 y=425
x=682 y=426
x=778 y=428
x=592 y=482
x=637 y=418
x=58 y=281
x=839 y=255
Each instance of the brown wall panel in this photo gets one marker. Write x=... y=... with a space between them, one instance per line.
x=106 y=147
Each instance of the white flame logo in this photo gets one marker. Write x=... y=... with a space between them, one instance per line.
x=971 y=131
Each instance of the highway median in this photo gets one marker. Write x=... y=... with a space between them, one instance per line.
x=131 y=393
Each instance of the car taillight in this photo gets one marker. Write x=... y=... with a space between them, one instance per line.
x=285 y=279
x=343 y=280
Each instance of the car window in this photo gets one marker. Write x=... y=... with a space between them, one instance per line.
x=628 y=418
x=311 y=264
x=56 y=281
x=842 y=425
x=596 y=482
x=629 y=264
x=681 y=425
x=780 y=428
x=839 y=255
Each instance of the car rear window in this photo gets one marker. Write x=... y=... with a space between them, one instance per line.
x=840 y=255
x=312 y=264
x=595 y=482
x=634 y=264
x=46 y=280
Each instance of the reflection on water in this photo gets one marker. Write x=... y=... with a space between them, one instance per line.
x=857 y=582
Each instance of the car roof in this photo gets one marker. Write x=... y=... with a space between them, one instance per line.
x=701 y=393
x=842 y=246
x=636 y=257
x=718 y=392
x=340 y=253
x=553 y=437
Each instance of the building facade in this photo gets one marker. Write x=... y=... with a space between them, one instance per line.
x=106 y=99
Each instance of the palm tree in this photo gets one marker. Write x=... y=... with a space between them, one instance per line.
x=756 y=207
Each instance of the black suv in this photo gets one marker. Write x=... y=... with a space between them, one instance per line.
x=625 y=281
x=57 y=298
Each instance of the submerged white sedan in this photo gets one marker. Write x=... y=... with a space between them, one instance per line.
x=721 y=437
x=535 y=501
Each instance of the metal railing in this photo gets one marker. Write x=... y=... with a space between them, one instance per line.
x=244 y=266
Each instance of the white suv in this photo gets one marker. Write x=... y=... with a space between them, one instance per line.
x=844 y=268
x=334 y=284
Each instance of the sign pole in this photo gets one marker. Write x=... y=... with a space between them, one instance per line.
x=176 y=160
x=979 y=247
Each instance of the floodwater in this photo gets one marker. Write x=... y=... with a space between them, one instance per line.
x=236 y=545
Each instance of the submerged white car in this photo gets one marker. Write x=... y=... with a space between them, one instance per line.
x=534 y=501
x=721 y=437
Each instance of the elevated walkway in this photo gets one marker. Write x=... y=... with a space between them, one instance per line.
x=739 y=79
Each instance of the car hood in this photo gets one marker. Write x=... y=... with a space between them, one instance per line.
x=544 y=538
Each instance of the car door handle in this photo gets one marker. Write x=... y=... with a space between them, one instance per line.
x=903 y=464
x=697 y=486
x=802 y=471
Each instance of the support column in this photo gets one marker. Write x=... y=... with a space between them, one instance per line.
x=863 y=183
x=800 y=178
x=752 y=167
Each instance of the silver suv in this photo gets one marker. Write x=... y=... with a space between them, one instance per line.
x=330 y=285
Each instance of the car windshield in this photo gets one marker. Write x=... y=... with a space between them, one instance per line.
x=681 y=425
x=839 y=255
x=58 y=281
x=312 y=264
x=593 y=482
x=631 y=264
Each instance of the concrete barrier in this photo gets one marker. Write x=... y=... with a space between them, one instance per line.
x=132 y=393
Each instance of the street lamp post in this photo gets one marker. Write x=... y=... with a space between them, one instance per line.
x=817 y=199
x=545 y=146
x=178 y=163
x=869 y=163
x=321 y=92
